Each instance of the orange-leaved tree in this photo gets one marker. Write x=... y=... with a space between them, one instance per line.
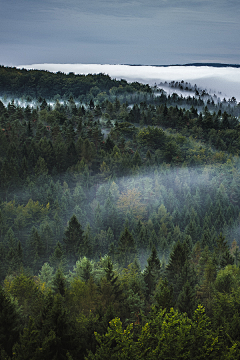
x=131 y=201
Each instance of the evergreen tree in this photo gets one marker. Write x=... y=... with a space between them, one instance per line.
x=164 y=295
x=46 y=275
x=9 y=323
x=152 y=272
x=178 y=267
x=126 y=248
x=35 y=249
x=222 y=254
x=112 y=279
x=87 y=245
x=58 y=258
x=73 y=239
x=46 y=236
x=29 y=345
x=57 y=330
x=12 y=255
x=59 y=282
x=186 y=301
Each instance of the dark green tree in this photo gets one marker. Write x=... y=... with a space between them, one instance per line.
x=57 y=330
x=222 y=254
x=58 y=258
x=152 y=272
x=73 y=238
x=164 y=295
x=186 y=301
x=9 y=323
x=126 y=248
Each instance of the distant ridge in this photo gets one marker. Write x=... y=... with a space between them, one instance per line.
x=213 y=65
x=217 y=65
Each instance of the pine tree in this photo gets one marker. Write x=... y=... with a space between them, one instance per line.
x=186 y=301
x=59 y=282
x=73 y=239
x=164 y=295
x=112 y=279
x=137 y=161
x=222 y=253
x=9 y=323
x=35 y=248
x=29 y=344
x=152 y=272
x=126 y=248
x=87 y=245
x=11 y=244
x=57 y=330
x=178 y=270
x=58 y=258
x=46 y=275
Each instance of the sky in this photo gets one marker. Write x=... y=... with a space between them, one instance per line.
x=147 y=32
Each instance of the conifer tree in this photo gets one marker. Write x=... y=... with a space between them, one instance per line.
x=178 y=269
x=29 y=344
x=73 y=239
x=186 y=301
x=164 y=295
x=152 y=272
x=87 y=245
x=57 y=330
x=112 y=279
x=9 y=323
x=222 y=254
x=46 y=275
x=35 y=249
x=126 y=248
x=58 y=258
x=59 y=282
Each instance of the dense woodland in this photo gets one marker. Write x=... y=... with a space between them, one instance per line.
x=119 y=220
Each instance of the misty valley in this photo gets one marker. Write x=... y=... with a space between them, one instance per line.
x=119 y=219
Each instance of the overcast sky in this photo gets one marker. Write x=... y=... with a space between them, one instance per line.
x=150 y=32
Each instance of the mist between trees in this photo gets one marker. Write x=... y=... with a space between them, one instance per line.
x=139 y=227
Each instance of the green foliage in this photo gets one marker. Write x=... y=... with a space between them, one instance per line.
x=152 y=271
x=73 y=238
x=115 y=344
x=9 y=323
x=164 y=204
x=126 y=248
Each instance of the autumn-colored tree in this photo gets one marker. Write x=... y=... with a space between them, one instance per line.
x=131 y=201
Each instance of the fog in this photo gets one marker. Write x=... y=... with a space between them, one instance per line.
x=224 y=80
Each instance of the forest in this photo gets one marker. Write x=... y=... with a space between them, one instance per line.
x=119 y=220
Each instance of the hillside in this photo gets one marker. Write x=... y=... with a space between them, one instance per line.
x=119 y=203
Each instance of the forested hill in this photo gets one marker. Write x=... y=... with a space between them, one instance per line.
x=218 y=65
x=119 y=221
x=38 y=83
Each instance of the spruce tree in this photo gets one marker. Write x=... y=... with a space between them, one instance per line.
x=186 y=301
x=126 y=248
x=58 y=258
x=164 y=295
x=152 y=272
x=9 y=323
x=73 y=239
x=222 y=254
